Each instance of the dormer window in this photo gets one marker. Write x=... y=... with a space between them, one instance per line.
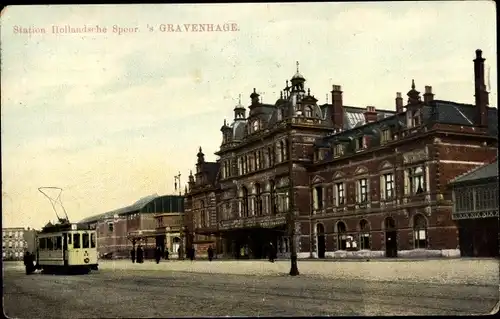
x=414 y=118
x=360 y=142
x=386 y=135
x=308 y=111
x=256 y=126
x=339 y=150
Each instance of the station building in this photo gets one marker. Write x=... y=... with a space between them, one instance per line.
x=120 y=230
x=359 y=181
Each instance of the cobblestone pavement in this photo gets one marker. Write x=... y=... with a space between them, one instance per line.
x=120 y=289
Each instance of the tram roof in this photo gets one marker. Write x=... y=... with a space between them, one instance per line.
x=63 y=227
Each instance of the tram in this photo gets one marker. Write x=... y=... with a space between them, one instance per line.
x=64 y=246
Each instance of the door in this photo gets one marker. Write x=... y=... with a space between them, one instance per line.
x=320 y=230
x=391 y=237
x=65 y=249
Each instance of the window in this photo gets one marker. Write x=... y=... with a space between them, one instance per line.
x=110 y=227
x=43 y=243
x=279 y=152
x=416 y=180
x=362 y=190
x=85 y=240
x=282 y=151
x=245 y=202
x=419 y=232
x=386 y=136
x=387 y=189
x=76 y=240
x=360 y=142
x=202 y=214
x=58 y=241
x=318 y=197
x=258 y=199
x=308 y=111
x=255 y=126
x=50 y=243
x=269 y=157
x=339 y=191
x=364 y=235
x=69 y=239
x=273 y=202
x=341 y=236
x=257 y=160
x=338 y=150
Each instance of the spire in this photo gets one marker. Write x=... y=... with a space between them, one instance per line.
x=239 y=99
x=413 y=95
x=413 y=84
x=309 y=91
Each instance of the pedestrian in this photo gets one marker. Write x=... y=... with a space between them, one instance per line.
x=192 y=253
x=271 y=252
x=140 y=255
x=132 y=254
x=166 y=253
x=28 y=263
x=210 y=253
x=158 y=254
x=179 y=253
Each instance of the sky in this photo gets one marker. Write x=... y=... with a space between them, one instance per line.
x=112 y=118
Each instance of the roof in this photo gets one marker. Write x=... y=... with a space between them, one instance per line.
x=137 y=206
x=479 y=173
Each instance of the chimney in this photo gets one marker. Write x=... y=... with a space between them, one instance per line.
x=428 y=96
x=370 y=114
x=399 y=103
x=337 y=108
x=480 y=89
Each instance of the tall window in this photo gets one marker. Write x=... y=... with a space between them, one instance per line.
x=386 y=136
x=360 y=143
x=202 y=214
x=76 y=240
x=283 y=150
x=279 y=151
x=308 y=111
x=251 y=160
x=245 y=202
x=388 y=186
x=416 y=180
x=364 y=235
x=92 y=240
x=318 y=197
x=258 y=199
x=273 y=201
x=269 y=157
x=362 y=190
x=257 y=160
x=338 y=150
x=419 y=232
x=85 y=240
x=341 y=236
x=339 y=191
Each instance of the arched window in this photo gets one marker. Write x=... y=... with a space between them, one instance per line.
x=202 y=214
x=341 y=236
x=279 y=151
x=258 y=200
x=273 y=204
x=308 y=111
x=419 y=232
x=283 y=147
x=364 y=235
x=245 y=202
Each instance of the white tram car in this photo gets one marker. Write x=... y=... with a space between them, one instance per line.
x=67 y=247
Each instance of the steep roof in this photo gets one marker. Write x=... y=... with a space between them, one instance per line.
x=482 y=172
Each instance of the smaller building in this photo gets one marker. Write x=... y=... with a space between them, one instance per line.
x=170 y=232
x=475 y=209
x=16 y=241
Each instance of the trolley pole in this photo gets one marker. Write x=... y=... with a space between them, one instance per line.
x=294 y=270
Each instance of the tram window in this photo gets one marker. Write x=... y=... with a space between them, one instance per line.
x=85 y=240
x=58 y=242
x=49 y=243
x=76 y=240
x=43 y=243
x=92 y=240
x=69 y=239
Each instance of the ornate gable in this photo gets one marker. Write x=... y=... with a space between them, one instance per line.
x=361 y=170
x=318 y=179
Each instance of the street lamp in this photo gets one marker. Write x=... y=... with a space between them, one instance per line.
x=294 y=270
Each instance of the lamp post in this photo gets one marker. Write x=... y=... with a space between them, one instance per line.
x=294 y=270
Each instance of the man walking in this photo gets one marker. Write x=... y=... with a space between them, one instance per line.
x=158 y=254
x=132 y=254
x=271 y=252
x=210 y=253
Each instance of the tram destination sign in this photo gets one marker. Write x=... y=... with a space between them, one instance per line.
x=475 y=215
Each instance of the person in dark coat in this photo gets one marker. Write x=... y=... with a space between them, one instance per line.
x=191 y=255
x=179 y=253
x=140 y=255
x=166 y=253
x=28 y=263
x=210 y=253
x=272 y=252
x=158 y=254
x=132 y=254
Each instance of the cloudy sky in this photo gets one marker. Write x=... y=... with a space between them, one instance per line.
x=112 y=118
